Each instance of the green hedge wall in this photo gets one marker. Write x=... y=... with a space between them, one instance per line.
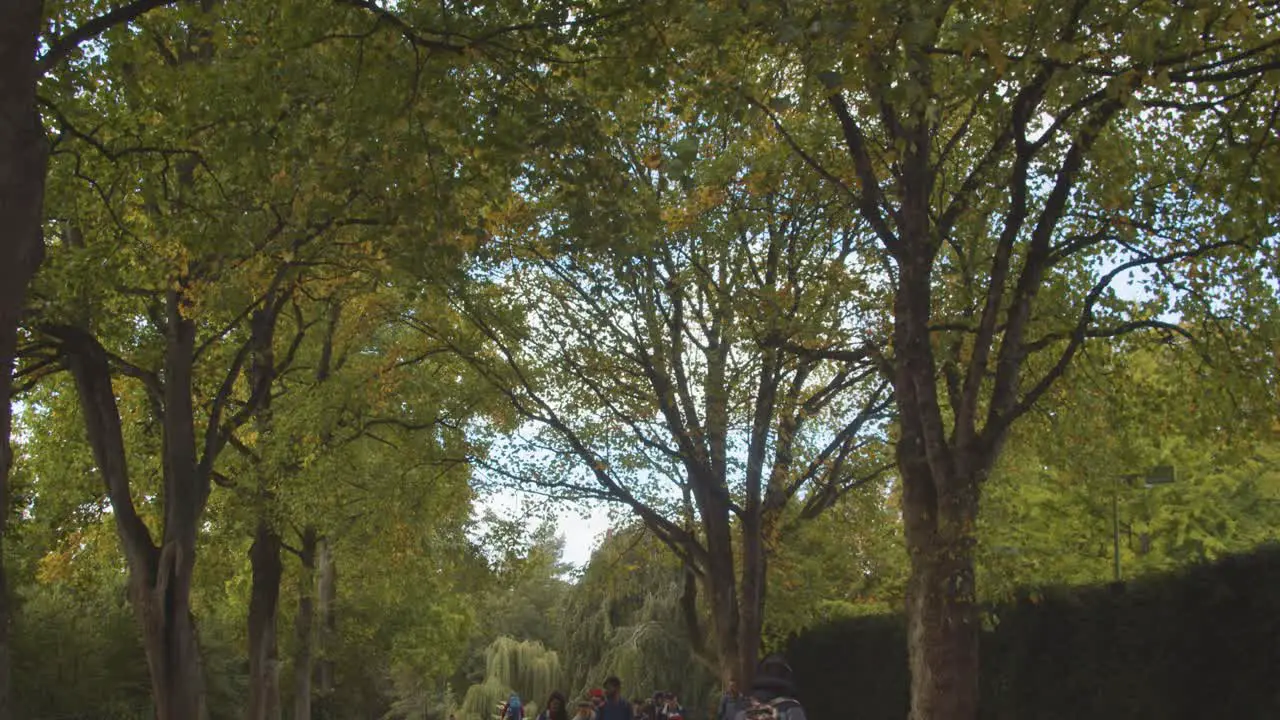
x=1202 y=644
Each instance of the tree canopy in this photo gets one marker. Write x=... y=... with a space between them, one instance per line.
x=844 y=310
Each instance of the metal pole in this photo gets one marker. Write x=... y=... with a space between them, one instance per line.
x=1115 y=525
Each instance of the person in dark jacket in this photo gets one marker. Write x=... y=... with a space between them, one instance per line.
x=614 y=707
x=772 y=690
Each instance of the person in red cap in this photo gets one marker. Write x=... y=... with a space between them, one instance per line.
x=597 y=699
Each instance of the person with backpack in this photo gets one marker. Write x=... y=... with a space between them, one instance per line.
x=773 y=694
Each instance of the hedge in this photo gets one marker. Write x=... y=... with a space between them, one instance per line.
x=1202 y=643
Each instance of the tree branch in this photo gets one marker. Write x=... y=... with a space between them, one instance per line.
x=1109 y=332
x=88 y=363
x=999 y=421
x=61 y=47
x=871 y=197
x=1011 y=357
x=407 y=31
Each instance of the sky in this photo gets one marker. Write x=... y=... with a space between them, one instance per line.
x=582 y=531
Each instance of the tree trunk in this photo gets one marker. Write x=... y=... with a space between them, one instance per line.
x=163 y=605
x=264 y=555
x=159 y=577
x=751 y=610
x=264 y=601
x=186 y=490
x=722 y=593
x=939 y=500
x=328 y=594
x=304 y=628
x=943 y=625
x=23 y=162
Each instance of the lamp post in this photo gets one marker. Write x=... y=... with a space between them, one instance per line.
x=1158 y=475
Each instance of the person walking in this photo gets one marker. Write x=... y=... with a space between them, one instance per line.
x=554 y=708
x=730 y=702
x=614 y=707
x=513 y=710
x=773 y=693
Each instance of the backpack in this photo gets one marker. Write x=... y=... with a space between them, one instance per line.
x=775 y=709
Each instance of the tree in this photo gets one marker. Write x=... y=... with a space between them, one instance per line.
x=523 y=667
x=1014 y=163
x=23 y=164
x=1124 y=408
x=626 y=616
x=847 y=562
x=259 y=196
x=654 y=343
x=76 y=645
x=183 y=310
x=40 y=40
x=519 y=600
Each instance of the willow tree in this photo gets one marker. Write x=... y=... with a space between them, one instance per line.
x=625 y=617
x=647 y=307
x=523 y=667
x=1014 y=163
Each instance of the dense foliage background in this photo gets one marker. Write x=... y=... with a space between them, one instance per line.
x=868 y=323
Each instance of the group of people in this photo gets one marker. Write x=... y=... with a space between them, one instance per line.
x=770 y=697
x=603 y=703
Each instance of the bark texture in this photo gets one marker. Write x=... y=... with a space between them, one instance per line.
x=940 y=504
x=327 y=590
x=304 y=627
x=264 y=555
x=942 y=619
x=264 y=603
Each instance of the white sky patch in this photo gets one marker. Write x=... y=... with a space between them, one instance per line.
x=582 y=527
